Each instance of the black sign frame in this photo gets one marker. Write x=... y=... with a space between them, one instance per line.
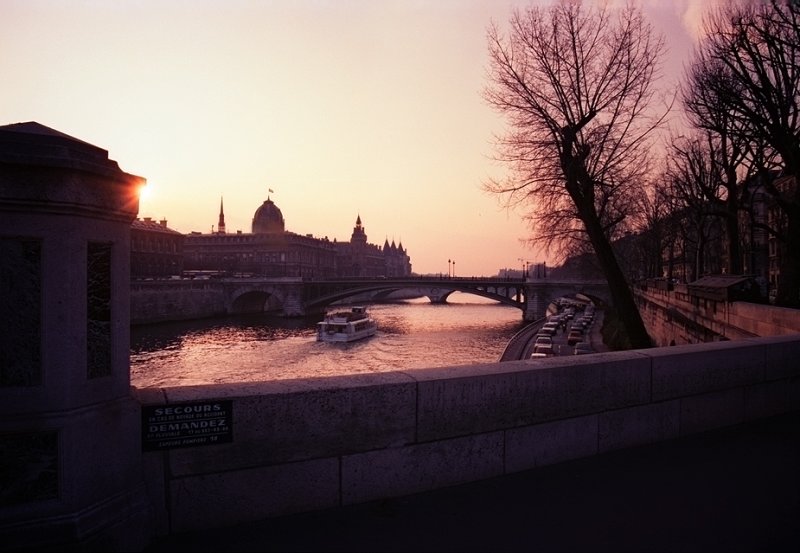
x=187 y=424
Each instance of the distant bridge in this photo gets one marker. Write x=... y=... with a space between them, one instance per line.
x=299 y=297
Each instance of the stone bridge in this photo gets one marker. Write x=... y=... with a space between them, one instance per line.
x=298 y=297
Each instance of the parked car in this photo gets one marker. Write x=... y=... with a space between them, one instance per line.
x=549 y=328
x=547 y=349
x=574 y=337
x=577 y=325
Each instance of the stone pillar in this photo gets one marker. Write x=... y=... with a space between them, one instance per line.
x=292 y=305
x=70 y=438
x=438 y=295
x=536 y=302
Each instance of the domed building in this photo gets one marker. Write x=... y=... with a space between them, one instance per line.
x=268 y=219
x=272 y=251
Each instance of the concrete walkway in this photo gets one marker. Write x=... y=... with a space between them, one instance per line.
x=735 y=489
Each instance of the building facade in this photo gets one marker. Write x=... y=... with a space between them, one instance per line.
x=272 y=251
x=156 y=250
x=359 y=258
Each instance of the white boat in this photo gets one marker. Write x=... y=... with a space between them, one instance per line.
x=346 y=326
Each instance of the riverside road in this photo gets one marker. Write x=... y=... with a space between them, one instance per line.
x=521 y=344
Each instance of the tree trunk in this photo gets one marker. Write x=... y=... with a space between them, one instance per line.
x=700 y=266
x=788 y=293
x=734 y=240
x=580 y=186
x=621 y=293
x=670 y=261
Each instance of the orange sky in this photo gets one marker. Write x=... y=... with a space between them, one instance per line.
x=342 y=107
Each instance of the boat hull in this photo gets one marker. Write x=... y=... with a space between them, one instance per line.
x=346 y=327
x=324 y=336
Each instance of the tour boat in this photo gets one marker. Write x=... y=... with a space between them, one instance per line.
x=346 y=326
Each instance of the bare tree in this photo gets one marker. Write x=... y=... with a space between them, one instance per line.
x=576 y=83
x=697 y=193
x=727 y=149
x=655 y=231
x=748 y=68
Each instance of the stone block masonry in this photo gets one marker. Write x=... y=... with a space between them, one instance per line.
x=313 y=444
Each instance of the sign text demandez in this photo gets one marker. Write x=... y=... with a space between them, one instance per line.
x=187 y=424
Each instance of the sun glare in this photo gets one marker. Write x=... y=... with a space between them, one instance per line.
x=145 y=191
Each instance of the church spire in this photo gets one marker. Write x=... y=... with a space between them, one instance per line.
x=221 y=223
x=359 y=235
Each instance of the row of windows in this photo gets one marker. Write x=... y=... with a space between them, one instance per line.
x=151 y=244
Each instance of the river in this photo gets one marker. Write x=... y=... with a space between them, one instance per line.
x=411 y=334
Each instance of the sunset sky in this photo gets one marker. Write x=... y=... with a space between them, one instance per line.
x=341 y=107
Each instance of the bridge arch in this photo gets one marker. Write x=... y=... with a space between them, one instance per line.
x=320 y=302
x=436 y=294
x=255 y=299
x=496 y=295
x=300 y=297
x=596 y=292
x=586 y=297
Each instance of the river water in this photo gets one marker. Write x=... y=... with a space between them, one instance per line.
x=411 y=334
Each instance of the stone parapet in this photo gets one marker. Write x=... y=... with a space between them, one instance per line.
x=676 y=317
x=319 y=443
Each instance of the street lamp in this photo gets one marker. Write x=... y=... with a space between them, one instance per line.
x=448 y=268
x=454 y=268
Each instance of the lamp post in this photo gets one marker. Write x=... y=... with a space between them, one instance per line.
x=448 y=268
x=454 y=268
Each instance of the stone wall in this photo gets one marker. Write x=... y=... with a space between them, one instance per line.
x=763 y=320
x=302 y=445
x=159 y=301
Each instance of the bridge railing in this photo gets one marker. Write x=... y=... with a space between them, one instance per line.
x=320 y=443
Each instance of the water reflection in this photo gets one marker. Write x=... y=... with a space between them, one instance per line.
x=224 y=330
x=411 y=334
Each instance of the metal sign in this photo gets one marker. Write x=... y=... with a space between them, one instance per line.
x=187 y=424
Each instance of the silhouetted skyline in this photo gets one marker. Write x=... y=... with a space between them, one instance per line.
x=345 y=108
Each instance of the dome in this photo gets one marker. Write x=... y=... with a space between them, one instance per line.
x=268 y=219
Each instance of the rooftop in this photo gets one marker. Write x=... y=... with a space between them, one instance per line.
x=31 y=143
